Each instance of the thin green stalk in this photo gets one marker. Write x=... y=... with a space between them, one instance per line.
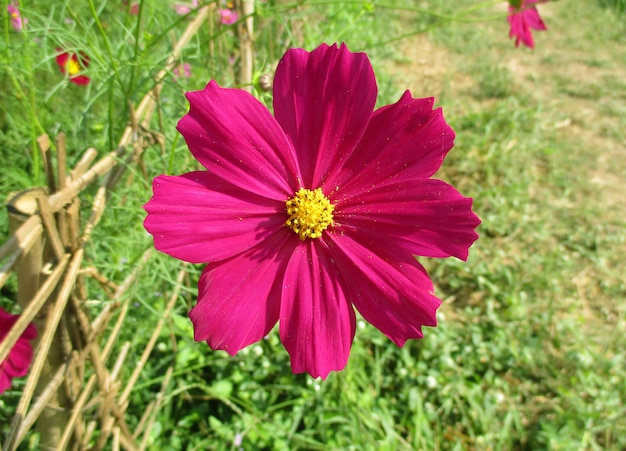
x=134 y=69
x=32 y=113
x=107 y=43
x=111 y=113
x=34 y=124
x=170 y=167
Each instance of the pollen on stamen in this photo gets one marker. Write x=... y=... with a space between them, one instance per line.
x=73 y=67
x=310 y=213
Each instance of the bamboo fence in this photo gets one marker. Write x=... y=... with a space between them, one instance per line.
x=74 y=397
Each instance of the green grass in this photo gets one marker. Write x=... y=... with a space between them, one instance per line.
x=529 y=351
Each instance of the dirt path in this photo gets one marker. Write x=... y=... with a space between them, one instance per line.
x=577 y=77
x=579 y=82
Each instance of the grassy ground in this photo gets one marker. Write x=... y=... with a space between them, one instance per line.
x=529 y=353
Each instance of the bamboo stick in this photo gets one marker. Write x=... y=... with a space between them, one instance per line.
x=43 y=143
x=78 y=406
x=60 y=199
x=42 y=400
x=83 y=164
x=20 y=236
x=41 y=353
x=51 y=227
x=61 y=161
x=29 y=266
x=109 y=405
x=245 y=32
x=143 y=420
x=20 y=244
x=29 y=313
x=61 y=219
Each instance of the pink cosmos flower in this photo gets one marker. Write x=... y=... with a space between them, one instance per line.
x=185 y=72
x=16 y=19
x=73 y=64
x=227 y=16
x=18 y=361
x=523 y=16
x=310 y=213
x=185 y=8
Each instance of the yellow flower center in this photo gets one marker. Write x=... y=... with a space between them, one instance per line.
x=73 y=67
x=310 y=213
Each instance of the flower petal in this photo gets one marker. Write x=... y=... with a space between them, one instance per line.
x=317 y=323
x=19 y=359
x=236 y=138
x=198 y=218
x=323 y=100
x=404 y=139
x=239 y=299
x=533 y=19
x=61 y=60
x=5 y=380
x=427 y=217
x=20 y=356
x=80 y=79
x=393 y=293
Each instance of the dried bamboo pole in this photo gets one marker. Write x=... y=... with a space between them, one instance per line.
x=109 y=410
x=245 y=30
x=83 y=164
x=53 y=358
x=31 y=273
x=50 y=225
x=98 y=325
x=116 y=440
x=29 y=313
x=29 y=267
x=41 y=354
x=43 y=400
x=20 y=244
x=19 y=237
x=106 y=420
x=143 y=420
x=43 y=142
x=61 y=161
x=61 y=219
x=59 y=199
x=100 y=322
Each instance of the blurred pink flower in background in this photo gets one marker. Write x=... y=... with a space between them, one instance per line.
x=523 y=16
x=131 y=8
x=305 y=215
x=16 y=18
x=185 y=72
x=72 y=65
x=227 y=16
x=185 y=8
x=18 y=361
